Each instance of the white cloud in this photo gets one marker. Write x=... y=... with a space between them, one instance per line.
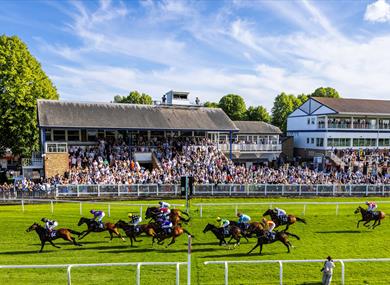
x=378 y=11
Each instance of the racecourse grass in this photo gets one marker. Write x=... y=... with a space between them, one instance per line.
x=325 y=234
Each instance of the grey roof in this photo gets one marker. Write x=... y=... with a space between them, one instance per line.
x=256 y=127
x=63 y=114
x=356 y=106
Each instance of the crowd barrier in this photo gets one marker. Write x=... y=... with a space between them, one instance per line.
x=239 y=190
x=281 y=262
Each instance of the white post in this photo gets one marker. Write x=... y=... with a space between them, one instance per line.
x=98 y=190
x=337 y=209
x=138 y=190
x=201 y=211
x=52 y=206
x=265 y=190
x=189 y=260
x=138 y=274
x=140 y=211
x=109 y=210
x=78 y=190
x=236 y=210
x=367 y=190
x=81 y=208
x=304 y=209
x=22 y=205
x=119 y=190
x=226 y=273
x=212 y=189
x=68 y=274
x=280 y=272
x=300 y=189
x=342 y=272
x=177 y=273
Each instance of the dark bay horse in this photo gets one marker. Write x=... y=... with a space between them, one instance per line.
x=252 y=228
x=175 y=233
x=281 y=236
x=176 y=215
x=291 y=219
x=132 y=233
x=92 y=228
x=368 y=217
x=60 y=233
x=234 y=233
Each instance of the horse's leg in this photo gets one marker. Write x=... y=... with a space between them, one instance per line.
x=359 y=223
x=75 y=242
x=287 y=245
x=53 y=244
x=257 y=244
x=230 y=239
x=172 y=241
x=117 y=234
x=188 y=233
x=87 y=232
x=287 y=226
x=365 y=224
x=261 y=249
x=376 y=223
x=42 y=245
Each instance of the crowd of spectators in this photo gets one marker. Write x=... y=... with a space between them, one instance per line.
x=111 y=162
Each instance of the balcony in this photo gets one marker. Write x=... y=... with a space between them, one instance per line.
x=251 y=147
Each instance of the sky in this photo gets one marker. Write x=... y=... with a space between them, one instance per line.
x=94 y=50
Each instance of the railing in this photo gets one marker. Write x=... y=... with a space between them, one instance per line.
x=281 y=262
x=70 y=266
x=237 y=190
x=250 y=147
x=56 y=147
x=33 y=162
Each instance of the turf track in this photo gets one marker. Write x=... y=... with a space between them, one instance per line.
x=325 y=234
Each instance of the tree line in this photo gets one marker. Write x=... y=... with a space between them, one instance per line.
x=23 y=81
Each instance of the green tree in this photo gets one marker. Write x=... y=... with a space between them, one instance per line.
x=134 y=97
x=258 y=113
x=22 y=82
x=326 y=92
x=284 y=105
x=209 y=104
x=234 y=106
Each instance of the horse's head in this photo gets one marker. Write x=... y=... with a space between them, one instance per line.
x=33 y=227
x=208 y=228
x=150 y=211
x=120 y=223
x=358 y=210
x=81 y=221
x=268 y=212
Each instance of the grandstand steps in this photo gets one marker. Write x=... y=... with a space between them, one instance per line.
x=337 y=160
x=155 y=162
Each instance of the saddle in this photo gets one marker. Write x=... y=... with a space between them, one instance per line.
x=270 y=237
x=283 y=219
x=226 y=231
x=51 y=234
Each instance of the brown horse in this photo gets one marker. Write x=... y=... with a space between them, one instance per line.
x=176 y=215
x=60 y=233
x=281 y=236
x=234 y=233
x=176 y=231
x=251 y=229
x=132 y=232
x=291 y=219
x=368 y=217
x=93 y=228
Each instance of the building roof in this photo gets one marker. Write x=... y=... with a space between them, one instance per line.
x=256 y=127
x=63 y=114
x=356 y=106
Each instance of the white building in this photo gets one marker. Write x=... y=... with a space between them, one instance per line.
x=323 y=124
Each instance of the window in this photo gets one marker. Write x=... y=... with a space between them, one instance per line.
x=319 y=142
x=384 y=142
x=339 y=142
x=312 y=140
x=321 y=122
x=308 y=121
x=59 y=135
x=364 y=142
x=73 y=135
x=48 y=135
x=384 y=123
x=339 y=122
x=307 y=140
x=313 y=121
x=91 y=135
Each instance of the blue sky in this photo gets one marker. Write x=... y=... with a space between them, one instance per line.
x=95 y=50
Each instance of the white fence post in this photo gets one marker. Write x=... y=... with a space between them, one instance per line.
x=140 y=211
x=337 y=209
x=367 y=190
x=119 y=190
x=342 y=273
x=109 y=209
x=138 y=275
x=98 y=192
x=68 y=274
x=236 y=210
x=189 y=260
x=304 y=209
x=22 y=205
x=226 y=273
x=201 y=211
x=52 y=206
x=81 y=208
x=178 y=274
x=280 y=272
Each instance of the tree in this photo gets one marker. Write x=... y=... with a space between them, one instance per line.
x=209 y=104
x=284 y=105
x=134 y=97
x=258 y=113
x=22 y=82
x=326 y=92
x=234 y=106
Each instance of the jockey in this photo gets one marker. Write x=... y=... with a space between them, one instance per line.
x=371 y=206
x=164 y=208
x=49 y=226
x=134 y=221
x=243 y=220
x=270 y=225
x=281 y=213
x=98 y=217
x=224 y=223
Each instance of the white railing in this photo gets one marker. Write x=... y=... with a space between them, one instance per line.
x=237 y=190
x=281 y=262
x=250 y=147
x=70 y=266
x=82 y=204
x=56 y=147
x=271 y=204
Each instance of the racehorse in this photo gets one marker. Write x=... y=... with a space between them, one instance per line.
x=60 y=233
x=92 y=227
x=176 y=231
x=291 y=219
x=250 y=230
x=368 y=217
x=131 y=232
x=281 y=236
x=175 y=216
x=234 y=233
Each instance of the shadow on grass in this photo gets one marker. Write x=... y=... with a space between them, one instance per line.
x=130 y=250
x=237 y=254
x=340 y=232
x=98 y=247
x=24 y=252
x=310 y=283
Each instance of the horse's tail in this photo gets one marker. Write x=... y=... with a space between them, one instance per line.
x=301 y=220
x=74 y=232
x=290 y=234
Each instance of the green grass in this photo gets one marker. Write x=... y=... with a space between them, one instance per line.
x=325 y=234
